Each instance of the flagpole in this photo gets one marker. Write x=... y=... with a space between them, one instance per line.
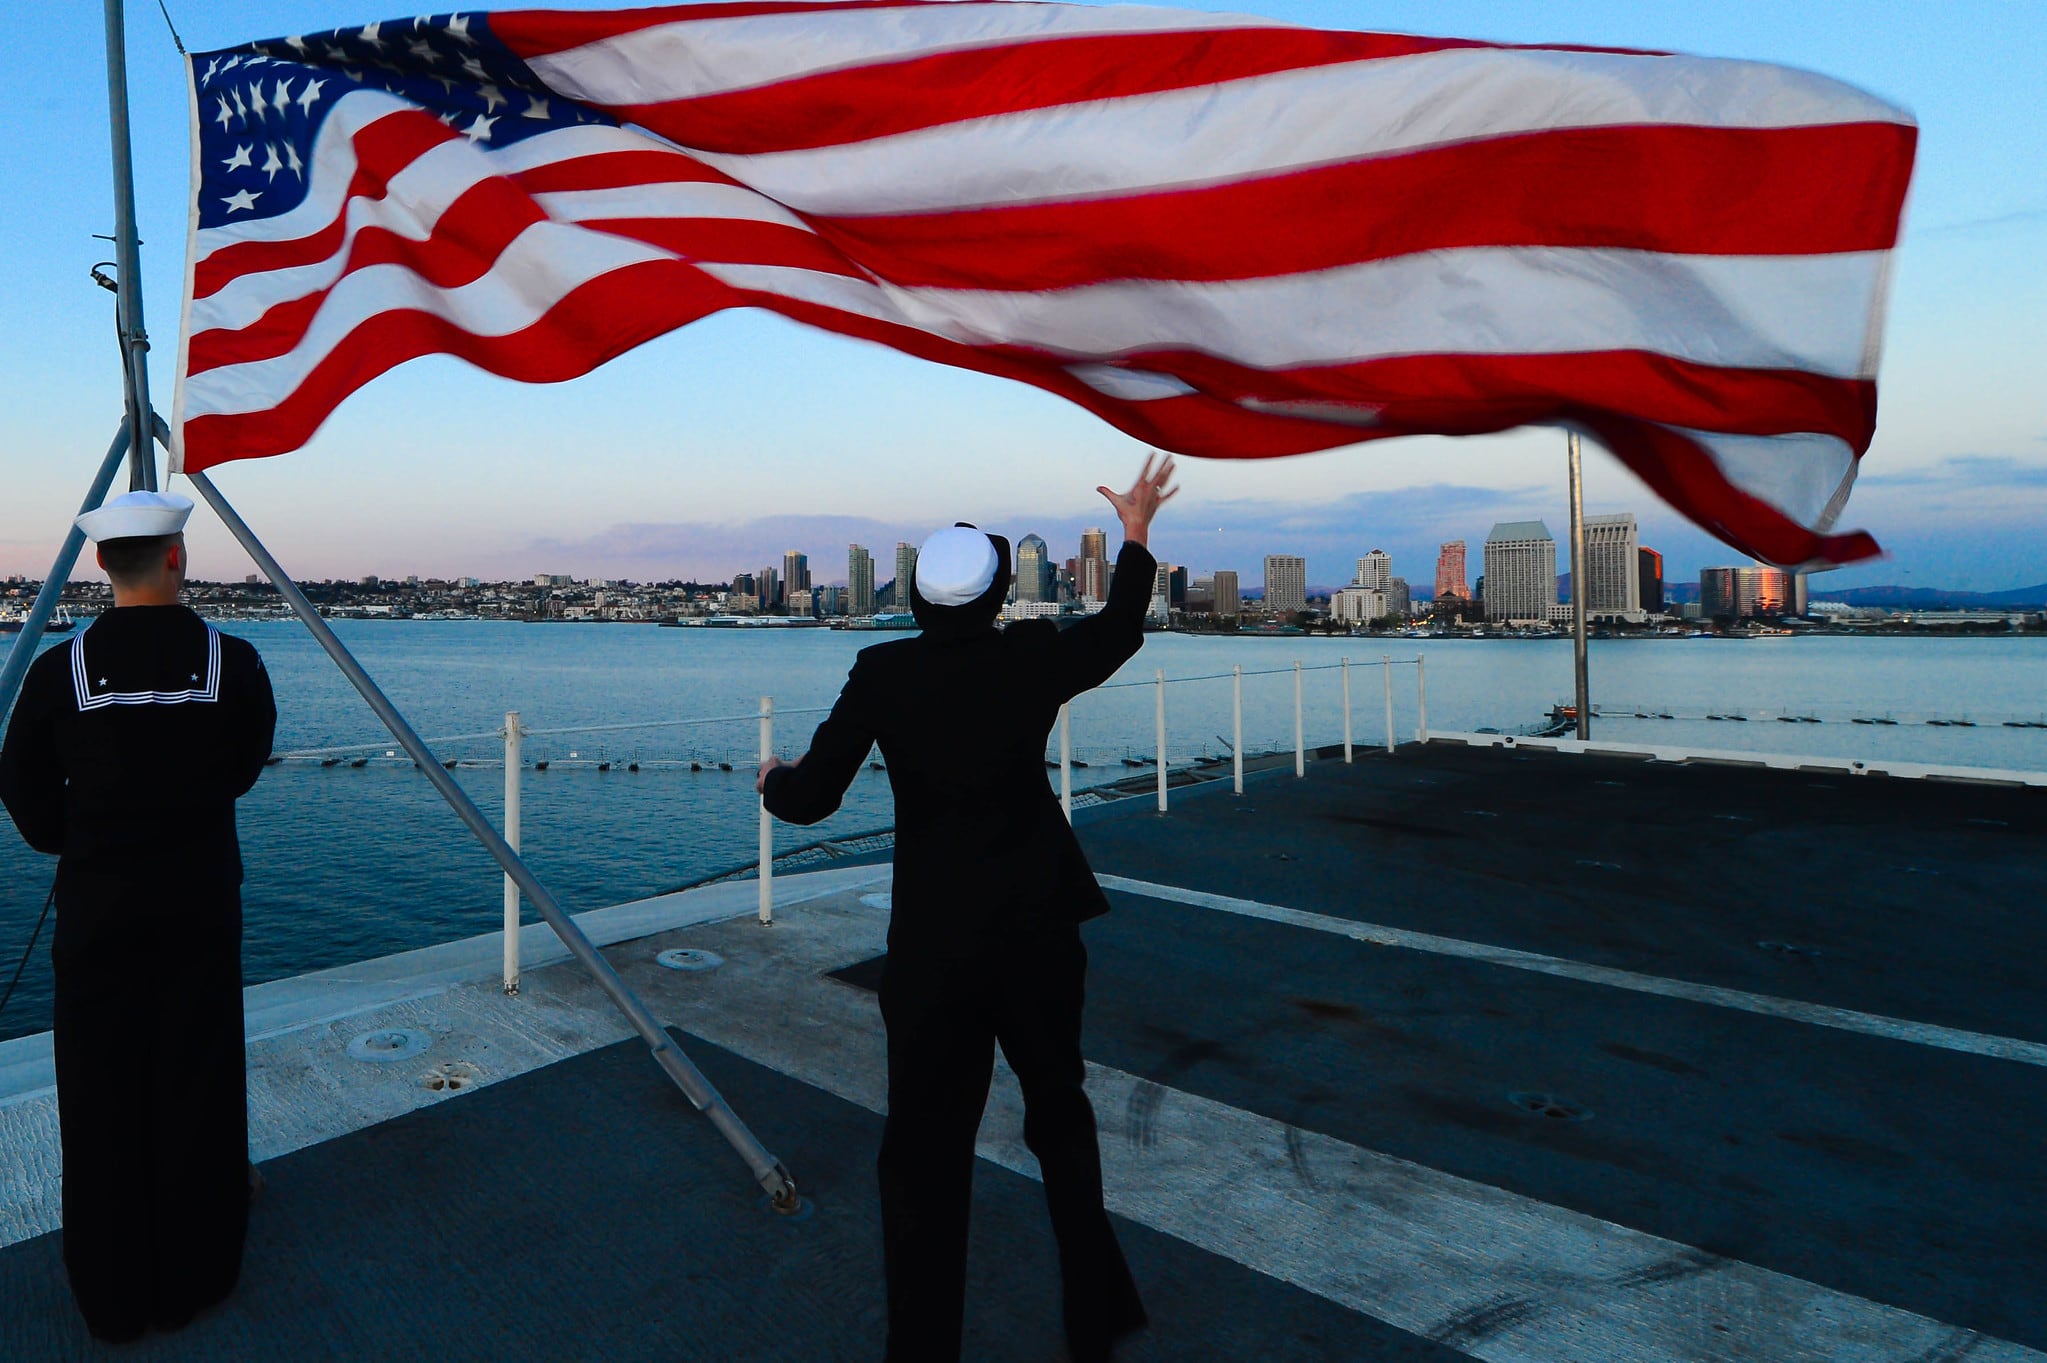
x=767 y=1170
x=1578 y=588
x=128 y=260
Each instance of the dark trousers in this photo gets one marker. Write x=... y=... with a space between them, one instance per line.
x=151 y=1099
x=944 y=1018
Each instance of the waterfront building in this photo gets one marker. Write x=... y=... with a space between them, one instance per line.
x=1091 y=569
x=859 y=580
x=1034 y=573
x=1286 y=583
x=1162 y=593
x=1357 y=604
x=828 y=601
x=906 y=573
x=1375 y=571
x=795 y=572
x=1200 y=598
x=1612 y=569
x=1228 y=600
x=1649 y=580
x=1176 y=587
x=1450 y=571
x=1520 y=572
x=802 y=601
x=1743 y=593
x=1399 y=600
x=770 y=589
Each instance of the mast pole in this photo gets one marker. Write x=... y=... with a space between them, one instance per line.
x=128 y=260
x=1578 y=588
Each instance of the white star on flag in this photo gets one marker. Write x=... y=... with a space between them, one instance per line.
x=291 y=159
x=256 y=104
x=457 y=28
x=423 y=50
x=536 y=107
x=241 y=109
x=226 y=115
x=240 y=158
x=371 y=34
x=475 y=68
x=297 y=44
x=479 y=131
x=280 y=97
x=211 y=67
x=310 y=95
x=491 y=96
x=273 y=162
x=243 y=199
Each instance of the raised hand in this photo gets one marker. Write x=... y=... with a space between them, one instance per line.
x=1136 y=507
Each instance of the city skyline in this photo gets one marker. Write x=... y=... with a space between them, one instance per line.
x=439 y=470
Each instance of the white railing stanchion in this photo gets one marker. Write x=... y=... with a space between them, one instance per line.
x=1421 y=698
x=1066 y=759
x=767 y=876
x=1237 y=723
x=1159 y=689
x=1300 y=734
x=1386 y=665
x=1346 y=708
x=513 y=746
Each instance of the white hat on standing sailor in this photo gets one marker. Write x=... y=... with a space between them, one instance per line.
x=136 y=515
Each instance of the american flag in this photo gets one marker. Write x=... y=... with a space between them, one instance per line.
x=1227 y=236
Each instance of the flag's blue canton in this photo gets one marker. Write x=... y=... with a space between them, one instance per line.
x=261 y=105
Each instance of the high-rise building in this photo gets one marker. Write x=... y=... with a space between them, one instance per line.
x=1612 y=568
x=1649 y=580
x=1520 y=571
x=770 y=583
x=859 y=580
x=1176 y=594
x=1034 y=573
x=1744 y=593
x=1200 y=596
x=1286 y=583
x=742 y=584
x=1399 y=600
x=1450 y=571
x=1091 y=571
x=795 y=572
x=1228 y=600
x=1358 y=604
x=1162 y=592
x=906 y=573
x=1375 y=570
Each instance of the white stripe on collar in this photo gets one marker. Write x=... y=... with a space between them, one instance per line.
x=204 y=694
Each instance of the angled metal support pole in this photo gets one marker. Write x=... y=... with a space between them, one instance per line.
x=1580 y=587
x=128 y=259
x=767 y=1170
x=24 y=650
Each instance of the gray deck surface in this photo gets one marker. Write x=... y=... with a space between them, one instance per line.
x=581 y=1212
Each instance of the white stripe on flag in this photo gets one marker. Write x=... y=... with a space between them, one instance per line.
x=677 y=199
x=1804 y=475
x=1760 y=312
x=1293 y=119
x=696 y=57
x=541 y=266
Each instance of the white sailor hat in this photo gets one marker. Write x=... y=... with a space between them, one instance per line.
x=956 y=566
x=136 y=515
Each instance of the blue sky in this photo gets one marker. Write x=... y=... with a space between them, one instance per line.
x=719 y=446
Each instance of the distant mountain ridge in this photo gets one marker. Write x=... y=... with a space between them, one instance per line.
x=1938 y=598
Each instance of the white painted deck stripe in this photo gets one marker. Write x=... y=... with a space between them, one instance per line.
x=1793 y=1010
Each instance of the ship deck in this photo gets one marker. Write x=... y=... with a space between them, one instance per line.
x=1455 y=1052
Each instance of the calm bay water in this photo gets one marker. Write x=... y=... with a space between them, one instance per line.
x=347 y=863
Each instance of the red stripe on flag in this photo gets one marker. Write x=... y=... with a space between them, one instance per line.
x=537 y=32
x=619 y=170
x=876 y=100
x=1694 y=191
x=592 y=324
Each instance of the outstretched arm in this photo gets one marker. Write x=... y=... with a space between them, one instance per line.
x=1089 y=653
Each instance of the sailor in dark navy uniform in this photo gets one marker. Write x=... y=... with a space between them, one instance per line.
x=990 y=889
x=124 y=758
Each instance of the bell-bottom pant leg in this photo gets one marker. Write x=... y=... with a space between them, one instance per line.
x=941 y=1054
x=1038 y=1021
x=200 y=1141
